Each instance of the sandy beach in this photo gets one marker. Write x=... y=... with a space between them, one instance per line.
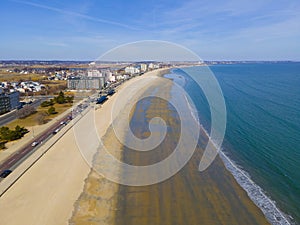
x=189 y=197
x=46 y=193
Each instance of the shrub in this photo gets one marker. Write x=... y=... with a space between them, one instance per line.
x=51 y=110
x=47 y=103
x=69 y=99
x=2 y=144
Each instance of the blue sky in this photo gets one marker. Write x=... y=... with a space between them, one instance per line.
x=215 y=30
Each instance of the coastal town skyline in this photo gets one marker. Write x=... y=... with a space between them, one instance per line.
x=83 y=30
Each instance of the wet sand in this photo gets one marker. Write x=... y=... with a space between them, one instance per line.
x=98 y=201
x=189 y=197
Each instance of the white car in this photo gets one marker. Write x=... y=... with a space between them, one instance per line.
x=56 y=131
x=34 y=144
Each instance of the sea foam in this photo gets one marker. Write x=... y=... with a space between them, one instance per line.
x=256 y=193
x=272 y=213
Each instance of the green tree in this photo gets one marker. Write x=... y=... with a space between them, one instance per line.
x=51 y=110
x=18 y=128
x=21 y=130
x=4 y=133
x=10 y=135
x=69 y=99
x=60 y=99
x=14 y=135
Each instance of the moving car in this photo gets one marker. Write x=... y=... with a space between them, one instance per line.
x=56 y=131
x=5 y=173
x=34 y=144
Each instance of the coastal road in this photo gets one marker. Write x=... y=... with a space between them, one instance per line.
x=14 y=160
x=8 y=117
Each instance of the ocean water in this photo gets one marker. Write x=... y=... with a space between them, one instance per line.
x=263 y=130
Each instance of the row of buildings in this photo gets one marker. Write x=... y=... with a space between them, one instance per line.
x=22 y=87
x=98 y=78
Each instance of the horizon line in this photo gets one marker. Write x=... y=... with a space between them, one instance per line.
x=209 y=60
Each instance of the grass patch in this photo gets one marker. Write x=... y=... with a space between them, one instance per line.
x=59 y=108
x=33 y=120
x=6 y=76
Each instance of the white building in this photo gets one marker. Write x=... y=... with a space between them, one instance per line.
x=125 y=76
x=143 y=67
x=94 y=73
x=109 y=76
x=153 y=66
x=21 y=90
x=131 y=70
x=122 y=77
x=119 y=77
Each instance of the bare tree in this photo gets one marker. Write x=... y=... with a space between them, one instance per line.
x=41 y=118
x=25 y=111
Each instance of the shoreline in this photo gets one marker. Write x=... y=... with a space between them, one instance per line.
x=196 y=197
x=257 y=194
x=111 y=212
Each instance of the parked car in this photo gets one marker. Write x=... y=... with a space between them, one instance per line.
x=5 y=173
x=102 y=99
x=111 y=92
